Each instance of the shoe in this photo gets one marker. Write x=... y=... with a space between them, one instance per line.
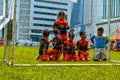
x=95 y=60
x=105 y=59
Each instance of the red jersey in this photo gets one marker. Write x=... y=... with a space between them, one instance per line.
x=43 y=45
x=71 y=45
x=82 y=45
x=57 y=42
x=61 y=25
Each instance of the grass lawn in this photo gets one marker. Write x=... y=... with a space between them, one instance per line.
x=28 y=55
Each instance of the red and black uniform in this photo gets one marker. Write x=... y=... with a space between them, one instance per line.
x=43 y=48
x=1 y=43
x=61 y=26
x=57 y=46
x=70 y=51
x=83 y=47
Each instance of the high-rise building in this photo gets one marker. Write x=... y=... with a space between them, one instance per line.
x=1 y=7
x=77 y=19
x=33 y=16
x=23 y=20
x=98 y=15
x=1 y=13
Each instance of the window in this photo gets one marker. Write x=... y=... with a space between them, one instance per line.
x=46 y=13
x=23 y=30
x=25 y=6
x=27 y=1
x=24 y=18
x=1 y=8
x=53 y=2
x=36 y=31
x=46 y=7
x=104 y=9
x=22 y=36
x=22 y=11
x=115 y=9
x=45 y=19
x=42 y=25
x=24 y=24
x=35 y=38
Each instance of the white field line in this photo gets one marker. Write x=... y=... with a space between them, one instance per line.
x=77 y=65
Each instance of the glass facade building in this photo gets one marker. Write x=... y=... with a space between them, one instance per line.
x=1 y=7
x=77 y=19
x=115 y=8
x=33 y=16
x=1 y=13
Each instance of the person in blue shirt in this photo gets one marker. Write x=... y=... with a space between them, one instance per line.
x=99 y=41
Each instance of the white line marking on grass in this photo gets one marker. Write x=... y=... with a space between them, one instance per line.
x=76 y=65
x=115 y=61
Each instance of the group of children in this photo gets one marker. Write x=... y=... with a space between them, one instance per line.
x=64 y=44
x=70 y=48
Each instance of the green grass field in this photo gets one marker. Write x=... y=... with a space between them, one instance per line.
x=28 y=55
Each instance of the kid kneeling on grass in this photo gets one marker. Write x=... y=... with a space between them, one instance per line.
x=82 y=46
x=44 y=43
x=57 y=46
x=70 y=47
x=99 y=42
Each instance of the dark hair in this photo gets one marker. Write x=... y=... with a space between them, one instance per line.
x=46 y=32
x=60 y=13
x=82 y=33
x=100 y=29
x=71 y=34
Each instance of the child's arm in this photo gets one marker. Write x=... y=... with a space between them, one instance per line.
x=78 y=48
x=107 y=39
x=55 y=26
x=50 y=41
x=67 y=26
x=88 y=46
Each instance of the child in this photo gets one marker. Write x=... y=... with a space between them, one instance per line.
x=118 y=45
x=44 y=43
x=57 y=45
x=99 y=42
x=70 y=47
x=62 y=25
x=82 y=46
